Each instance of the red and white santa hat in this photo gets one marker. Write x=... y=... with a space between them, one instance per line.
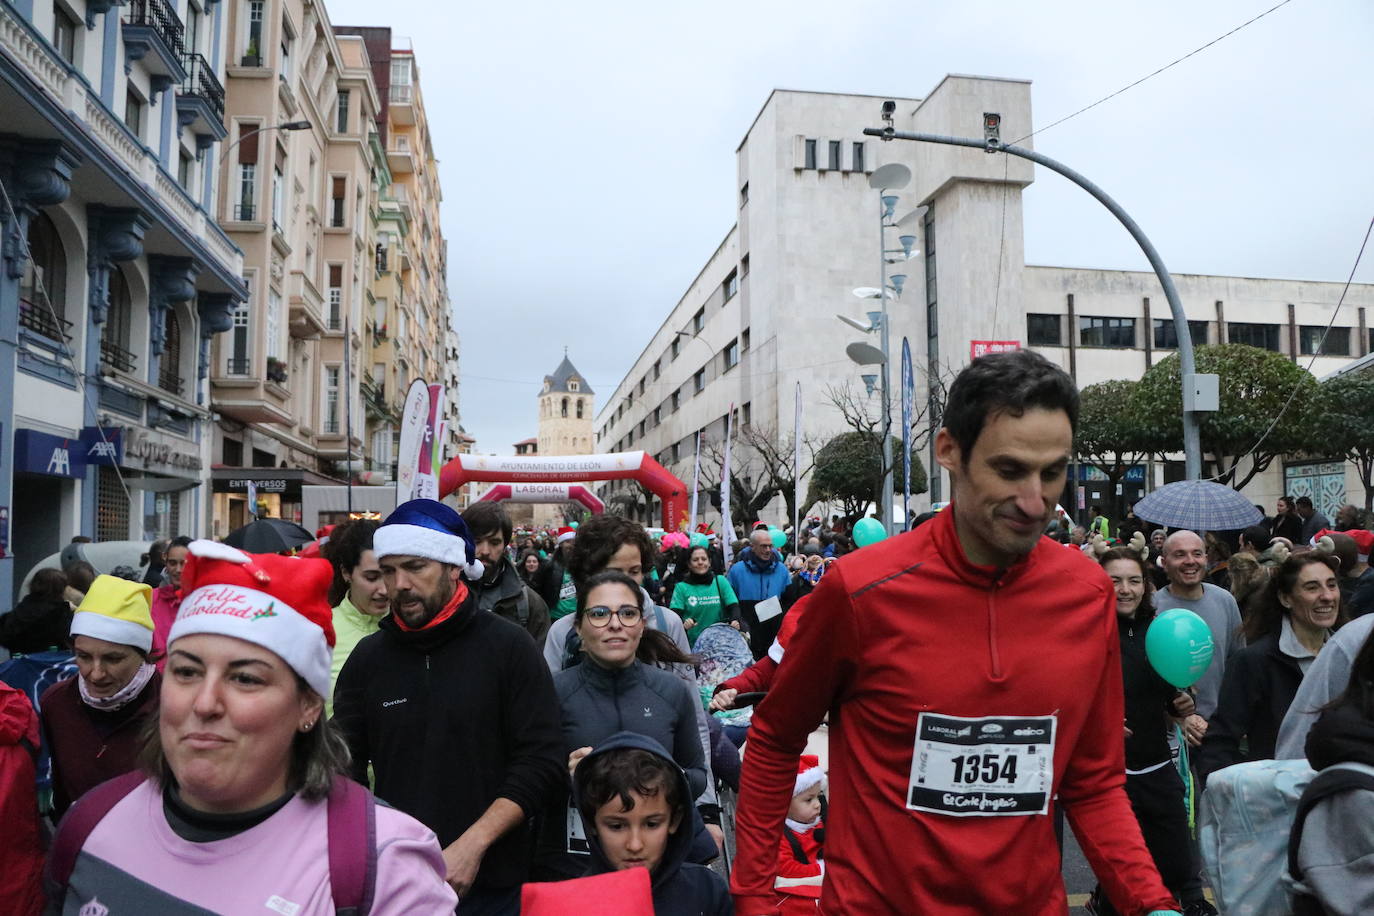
x=809 y=773
x=1364 y=542
x=564 y=534
x=279 y=603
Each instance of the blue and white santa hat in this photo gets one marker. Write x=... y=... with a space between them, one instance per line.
x=427 y=528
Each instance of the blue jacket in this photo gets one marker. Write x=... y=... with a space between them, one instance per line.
x=679 y=887
x=752 y=585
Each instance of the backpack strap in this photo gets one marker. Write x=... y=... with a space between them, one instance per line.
x=78 y=824
x=1340 y=777
x=352 y=818
x=797 y=852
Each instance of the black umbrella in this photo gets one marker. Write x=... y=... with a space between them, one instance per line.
x=269 y=535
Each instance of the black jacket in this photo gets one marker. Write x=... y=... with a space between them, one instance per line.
x=36 y=624
x=680 y=888
x=452 y=718
x=1258 y=688
x=503 y=592
x=1149 y=698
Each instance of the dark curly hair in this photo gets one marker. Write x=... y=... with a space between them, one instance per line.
x=615 y=774
x=1009 y=383
x=599 y=538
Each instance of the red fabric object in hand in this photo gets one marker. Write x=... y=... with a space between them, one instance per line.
x=615 y=893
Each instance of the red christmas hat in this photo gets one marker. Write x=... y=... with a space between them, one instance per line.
x=1364 y=542
x=565 y=534
x=272 y=601
x=809 y=773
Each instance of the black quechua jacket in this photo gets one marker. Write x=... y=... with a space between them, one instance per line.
x=452 y=718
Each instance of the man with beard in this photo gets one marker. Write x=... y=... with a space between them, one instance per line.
x=972 y=677
x=500 y=589
x=453 y=708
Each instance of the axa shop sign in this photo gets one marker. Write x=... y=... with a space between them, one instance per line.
x=38 y=452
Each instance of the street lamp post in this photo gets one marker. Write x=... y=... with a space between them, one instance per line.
x=891 y=177
x=1200 y=391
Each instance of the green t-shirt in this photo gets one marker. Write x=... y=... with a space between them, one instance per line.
x=704 y=604
x=567 y=599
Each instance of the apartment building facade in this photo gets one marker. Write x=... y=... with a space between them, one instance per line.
x=116 y=277
x=760 y=315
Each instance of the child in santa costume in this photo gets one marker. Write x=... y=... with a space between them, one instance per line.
x=801 y=852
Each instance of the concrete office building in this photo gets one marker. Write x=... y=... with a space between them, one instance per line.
x=115 y=276
x=759 y=317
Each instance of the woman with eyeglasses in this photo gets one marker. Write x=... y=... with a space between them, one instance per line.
x=617 y=687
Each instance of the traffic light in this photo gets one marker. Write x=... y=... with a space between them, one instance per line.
x=992 y=130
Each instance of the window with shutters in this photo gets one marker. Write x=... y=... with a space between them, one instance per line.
x=245 y=209
x=337 y=196
x=335 y=297
x=112 y=507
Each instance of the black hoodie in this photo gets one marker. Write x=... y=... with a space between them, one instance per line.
x=452 y=718
x=680 y=888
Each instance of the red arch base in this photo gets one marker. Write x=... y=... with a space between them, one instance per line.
x=654 y=477
x=545 y=493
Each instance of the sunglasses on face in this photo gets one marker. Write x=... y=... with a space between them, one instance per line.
x=600 y=615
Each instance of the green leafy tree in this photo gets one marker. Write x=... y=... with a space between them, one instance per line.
x=849 y=471
x=1257 y=388
x=1111 y=436
x=1346 y=418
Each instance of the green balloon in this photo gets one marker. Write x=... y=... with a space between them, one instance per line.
x=1179 y=646
x=868 y=531
x=700 y=540
x=572 y=525
x=779 y=537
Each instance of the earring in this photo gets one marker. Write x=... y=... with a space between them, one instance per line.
x=309 y=725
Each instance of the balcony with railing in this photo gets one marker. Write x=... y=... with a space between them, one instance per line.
x=113 y=356
x=42 y=321
x=154 y=34
x=200 y=103
x=238 y=366
x=169 y=381
x=402 y=103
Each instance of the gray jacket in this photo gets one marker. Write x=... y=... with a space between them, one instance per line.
x=1324 y=681
x=555 y=645
x=1337 y=852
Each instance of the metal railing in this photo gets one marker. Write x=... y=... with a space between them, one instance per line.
x=401 y=95
x=41 y=320
x=238 y=366
x=201 y=81
x=117 y=357
x=244 y=213
x=170 y=381
x=161 y=17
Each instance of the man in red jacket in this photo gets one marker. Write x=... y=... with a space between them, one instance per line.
x=971 y=672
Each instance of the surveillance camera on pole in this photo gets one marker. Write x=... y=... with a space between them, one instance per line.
x=889 y=113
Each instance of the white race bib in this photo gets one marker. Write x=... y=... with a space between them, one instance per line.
x=577 y=833
x=991 y=766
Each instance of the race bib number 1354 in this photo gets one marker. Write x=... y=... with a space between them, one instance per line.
x=995 y=765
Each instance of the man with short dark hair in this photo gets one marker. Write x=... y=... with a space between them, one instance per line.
x=1312 y=520
x=500 y=588
x=454 y=710
x=971 y=672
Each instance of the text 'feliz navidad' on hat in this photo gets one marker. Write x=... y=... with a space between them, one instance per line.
x=809 y=773
x=278 y=603
x=116 y=610
x=427 y=528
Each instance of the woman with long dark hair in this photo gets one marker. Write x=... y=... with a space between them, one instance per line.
x=1153 y=783
x=358 y=593
x=1300 y=607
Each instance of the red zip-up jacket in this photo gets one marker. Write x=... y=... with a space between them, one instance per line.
x=909 y=626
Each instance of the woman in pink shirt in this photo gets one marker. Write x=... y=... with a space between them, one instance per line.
x=241 y=806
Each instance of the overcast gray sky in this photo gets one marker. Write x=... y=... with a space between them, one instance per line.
x=587 y=150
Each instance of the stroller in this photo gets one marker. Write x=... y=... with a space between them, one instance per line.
x=723 y=653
